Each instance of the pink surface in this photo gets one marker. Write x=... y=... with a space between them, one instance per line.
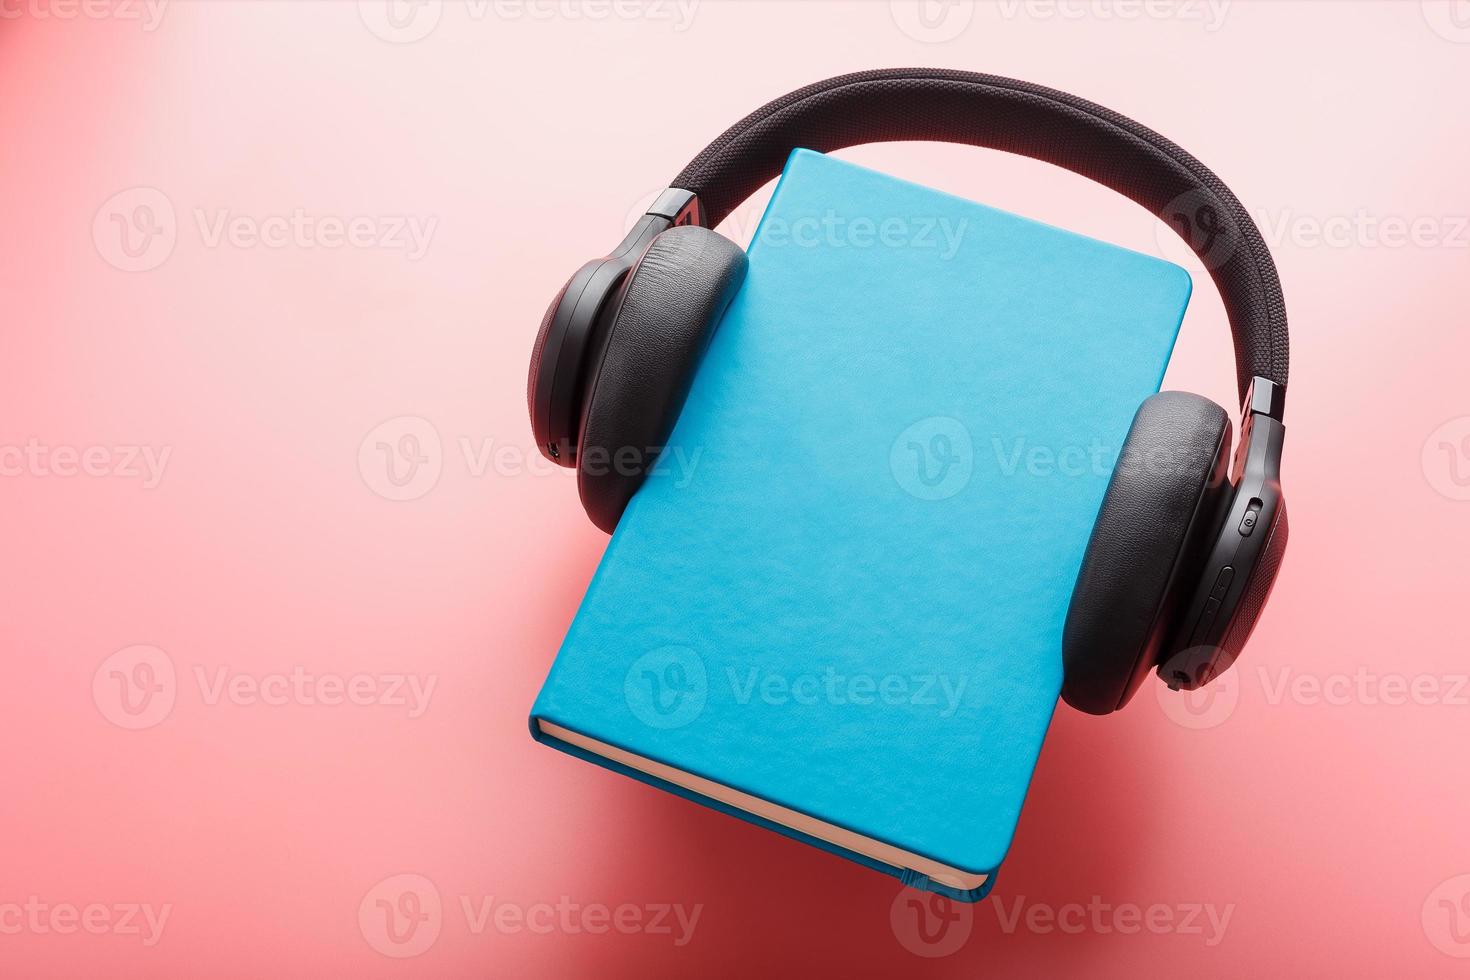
x=265 y=698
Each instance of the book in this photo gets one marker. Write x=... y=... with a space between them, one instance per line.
x=835 y=609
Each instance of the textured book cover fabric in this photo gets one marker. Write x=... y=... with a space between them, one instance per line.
x=836 y=607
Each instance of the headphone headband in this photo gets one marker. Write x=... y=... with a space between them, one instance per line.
x=941 y=105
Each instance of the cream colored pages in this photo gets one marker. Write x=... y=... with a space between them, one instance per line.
x=767 y=810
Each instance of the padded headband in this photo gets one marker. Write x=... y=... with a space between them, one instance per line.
x=933 y=104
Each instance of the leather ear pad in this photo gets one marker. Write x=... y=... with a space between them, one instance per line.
x=673 y=300
x=1162 y=494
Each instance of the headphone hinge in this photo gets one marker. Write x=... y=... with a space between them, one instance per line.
x=1266 y=397
x=680 y=207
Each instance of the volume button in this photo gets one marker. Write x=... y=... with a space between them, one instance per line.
x=1206 y=620
x=1222 y=584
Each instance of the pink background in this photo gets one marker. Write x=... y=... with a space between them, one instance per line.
x=1331 y=826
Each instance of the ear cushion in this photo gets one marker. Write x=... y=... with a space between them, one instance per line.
x=1163 y=492
x=673 y=300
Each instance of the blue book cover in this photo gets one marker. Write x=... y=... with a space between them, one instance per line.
x=835 y=609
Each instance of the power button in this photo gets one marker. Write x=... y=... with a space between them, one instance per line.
x=1248 y=522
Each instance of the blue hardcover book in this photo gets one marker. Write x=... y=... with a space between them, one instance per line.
x=836 y=608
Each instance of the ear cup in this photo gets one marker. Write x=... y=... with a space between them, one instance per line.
x=539 y=350
x=1192 y=667
x=1159 y=511
x=1253 y=603
x=672 y=302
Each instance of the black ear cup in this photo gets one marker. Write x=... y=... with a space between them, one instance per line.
x=1193 y=665
x=1160 y=509
x=539 y=351
x=669 y=308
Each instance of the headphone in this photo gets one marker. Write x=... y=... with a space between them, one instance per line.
x=1186 y=546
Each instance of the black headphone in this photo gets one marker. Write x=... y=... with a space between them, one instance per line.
x=1186 y=547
